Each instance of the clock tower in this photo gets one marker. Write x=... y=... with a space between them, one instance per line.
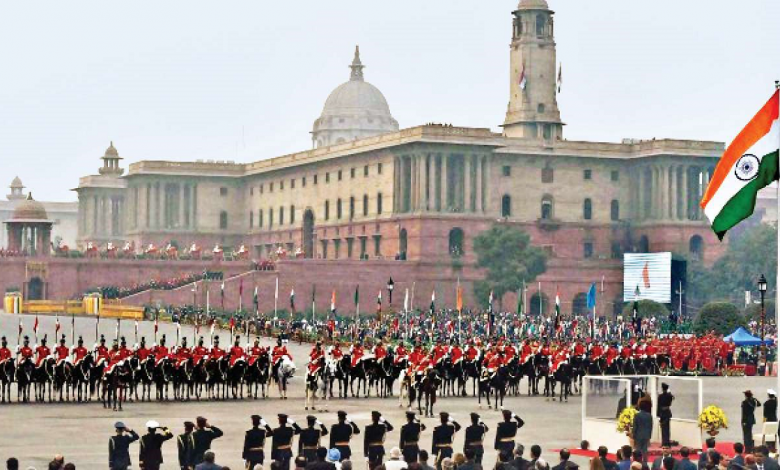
x=533 y=112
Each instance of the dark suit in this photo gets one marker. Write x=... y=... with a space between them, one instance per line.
x=254 y=445
x=609 y=464
x=475 y=436
x=185 y=445
x=340 y=434
x=505 y=434
x=410 y=440
x=771 y=464
x=770 y=410
x=737 y=463
x=150 y=454
x=684 y=464
x=309 y=441
x=642 y=431
x=119 y=450
x=664 y=414
x=201 y=442
x=658 y=463
x=566 y=466
x=443 y=438
x=520 y=463
x=749 y=405
x=281 y=444
x=374 y=442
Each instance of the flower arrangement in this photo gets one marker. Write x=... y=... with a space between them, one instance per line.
x=713 y=418
x=626 y=420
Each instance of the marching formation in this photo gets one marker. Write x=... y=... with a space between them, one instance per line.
x=488 y=370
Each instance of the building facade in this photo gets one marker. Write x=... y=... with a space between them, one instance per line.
x=370 y=191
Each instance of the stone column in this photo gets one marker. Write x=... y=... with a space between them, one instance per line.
x=640 y=213
x=663 y=189
x=673 y=195
x=160 y=205
x=425 y=182
x=413 y=183
x=396 y=186
x=486 y=185
x=182 y=209
x=684 y=194
x=467 y=164
x=109 y=223
x=194 y=204
x=444 y=184
x=478 y=190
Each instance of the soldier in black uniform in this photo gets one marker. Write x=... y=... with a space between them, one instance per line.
x=201 y=439
x=374 y=439
x=254 y=442
x=119 y=447
x=309 y=440
x=506 y=432
x=281 y=445
x=475 y=435
x=664 y=414
x=443 y=438
x=410 y=437
x=185 y=444
x=770 y=407
x=150 y=454
x=341 y=433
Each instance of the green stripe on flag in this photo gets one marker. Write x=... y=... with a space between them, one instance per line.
x=742 y=204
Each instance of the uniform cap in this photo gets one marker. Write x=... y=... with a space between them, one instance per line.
x=152 y=424
x=376 y=414
x=189 y=425
x=119 y=425
x=282 y=416
x=411 y=414
x=506 y=413
x=474 y=416
x=771 y=392
x=444 y=414
x=342 y=414
x=311 y=419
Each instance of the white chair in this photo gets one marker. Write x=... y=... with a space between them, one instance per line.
x=768 y=433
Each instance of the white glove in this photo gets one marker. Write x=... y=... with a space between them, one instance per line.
x=449 y=420
x=366 y=459
x=349 y=421
x=382 y=419
x=318 y=422
x=290 y=421
x=263 y=423
x=514 y=416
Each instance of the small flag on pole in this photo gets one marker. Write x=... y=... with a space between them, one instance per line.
x=56 y=326
x=379 y=301
x=557 y=311
x=560 y=76
x=433 y=301
x=459 y=298
x=256 y=301
x=292 y=301
x=222 y=294
x=333 y=302
x=523 y=81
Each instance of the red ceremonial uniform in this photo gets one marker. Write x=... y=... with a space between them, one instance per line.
x=416 y=356
x=579 y=349
x=62 y=352
x=254 y=354
x=217 y=353
x=143 y=353
x=456 y=354
x=596 y=351
x=472 y=353
x=400 y=353
x=183 y=354
x=102 y=354
x=41 y=353
x=25 y=352
x=612 y=354
x=357 y=353
x=198 y=353
x=5 y=354
x=380 y=352
x=160 y=353
x=337 y=353
x=79 y=353
x=315 y=357
x=625 y=352
x=236 y=354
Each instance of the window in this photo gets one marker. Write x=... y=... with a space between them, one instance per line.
x=614 y=175
x=365 y=170
x=352 y=173
x=547 y=207
x=292 y=214
x=616 y=251
x=377 y=245
x=338 y=208
x=223 y=191
x=506 y=205
x=223 y=220
x=270 y=218
x=324 y=249
x=614 y=210
x=506 y=170
x=379 y=203
x=251 y=219
x=336 y=248
x=270 y=187
x=547 y=131
x=315 y=179
x=548 y=174
x=251 y=190
x=379 y=168
x=303 y=182
x=541 y=25
x=261 y=189
x=260 y=219
x=540 y=108
x=456 y=241
x=281 y=216
x=292 y=183
x=327 y=177
x=339 y=175
x=350 y=242
x=587 y=174
x=365 y=204
x=281 y=185
x=587 y=209
x=696 y=247
x=587 y=249
x=351 y=207
x=327 y=210
x=363 y=246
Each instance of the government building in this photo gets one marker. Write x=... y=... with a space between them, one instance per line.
x=370 y=191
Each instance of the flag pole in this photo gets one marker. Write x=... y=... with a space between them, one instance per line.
x=777 y=291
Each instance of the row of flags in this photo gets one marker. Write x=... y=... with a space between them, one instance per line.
x=523 y=78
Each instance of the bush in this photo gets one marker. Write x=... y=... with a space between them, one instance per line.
x=753 y=311
x=721 y=317
x=647 y=309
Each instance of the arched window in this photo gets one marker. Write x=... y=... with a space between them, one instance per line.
x=402 y=241
x=456 y=241
x=587 y=209
x=579 y=305
x=541 y=25
x=506 y=206
x=614 y=210
x=547 y=207
x=223 y=220
x=644 y=244
x=365 y=204
x=540 y=108
x=696 y=247
x=538 y=305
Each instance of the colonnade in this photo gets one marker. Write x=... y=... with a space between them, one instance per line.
x=157 y=205
x=670 y=192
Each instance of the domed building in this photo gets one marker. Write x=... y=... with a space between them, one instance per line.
x=29 y=229
x=354 y=110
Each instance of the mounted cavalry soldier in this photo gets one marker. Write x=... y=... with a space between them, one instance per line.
x=255 y=352
x=216 y=352
x=236 y=352
x=278 y=353
x=42 y=352
x=142 y=352
x=309 y=439
x=475 y=437
x=341 y=433
x=183 y=353
x=316 y=359
x=160 y=352
x=79 y=352
x=254 y=442
x=62 y=352
x=5 y=353
x=199 y=352
x=410 y=437
x=374 y=439
x=101 y=352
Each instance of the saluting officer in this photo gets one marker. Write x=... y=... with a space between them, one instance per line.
x=254 y=442
x=475 y=435
x=281 y=444
x=374 y=439
x=119 y=447
x=150 y=454
x=506 y=432
x=443 y=437
x=186 y=447
x=202 y=438
x=410 y=437
x=341 y=433
x=309 y=440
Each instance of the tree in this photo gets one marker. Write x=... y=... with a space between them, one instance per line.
x=753 y=311
x=647 y=308
x=507 y=255
x=722 y=317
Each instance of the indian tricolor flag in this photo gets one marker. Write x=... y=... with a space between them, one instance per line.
x=749 y=164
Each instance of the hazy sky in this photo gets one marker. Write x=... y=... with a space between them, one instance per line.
x=244 y=80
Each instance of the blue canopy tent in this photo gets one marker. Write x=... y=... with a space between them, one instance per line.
x=742 y=337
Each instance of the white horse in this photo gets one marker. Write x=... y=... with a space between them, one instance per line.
x=283 y=374
x=406 y=388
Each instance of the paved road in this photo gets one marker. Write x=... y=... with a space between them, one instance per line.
x=35 y=432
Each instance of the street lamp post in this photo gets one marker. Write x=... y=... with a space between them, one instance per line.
x=390 y=287
x=762 y=290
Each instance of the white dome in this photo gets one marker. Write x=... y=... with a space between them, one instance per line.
x=354 y=110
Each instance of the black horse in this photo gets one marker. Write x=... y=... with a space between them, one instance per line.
x=116 y=381
x=427 y=386
x=257 y=376
x=81 y=378
x=63 y=377
x=7 y=377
